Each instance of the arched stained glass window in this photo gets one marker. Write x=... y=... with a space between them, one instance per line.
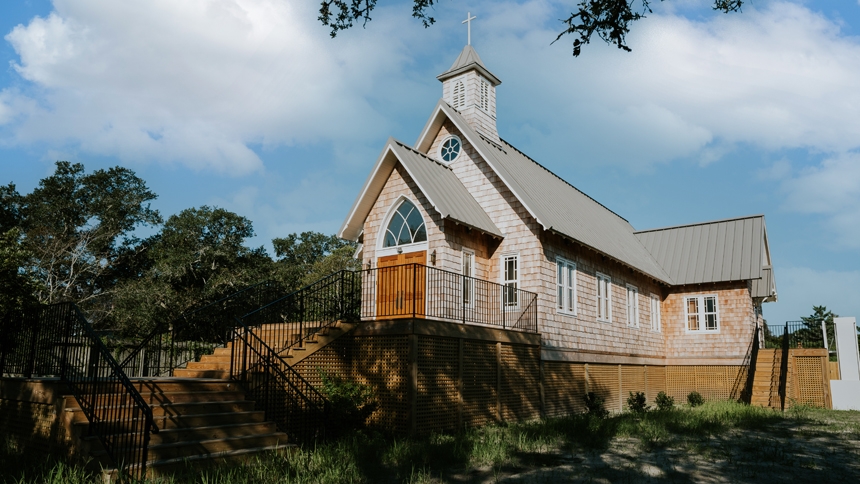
x=406 y=226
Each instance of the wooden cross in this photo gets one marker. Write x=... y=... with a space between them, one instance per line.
x=468 y=23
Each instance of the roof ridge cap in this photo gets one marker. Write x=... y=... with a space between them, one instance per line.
x=563 y=180
x=670 y=227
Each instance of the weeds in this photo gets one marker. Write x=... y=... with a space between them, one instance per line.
x=738 y=437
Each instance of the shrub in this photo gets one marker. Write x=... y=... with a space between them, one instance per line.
x=350 y=403
x=664 y=402
x=637 y=403
x=695 y=399
x=594 y=404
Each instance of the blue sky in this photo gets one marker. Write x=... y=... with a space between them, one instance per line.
x=249 y=105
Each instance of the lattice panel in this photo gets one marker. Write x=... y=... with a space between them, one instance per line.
x=479 y=383
x=603 y=380
x=809 y=380
x=563 y=388
x=656 y=379
x=437 y=384
x=632 y=380
x=333 y=359
x=520 y=392
x=680 y=381
x=383 y=363
x=713 y=382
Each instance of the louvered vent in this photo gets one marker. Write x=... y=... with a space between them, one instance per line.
x=459 y=95
x=485 y=96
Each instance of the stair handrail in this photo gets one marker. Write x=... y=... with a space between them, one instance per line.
x=344 y=308
x=272 y=366
x=174 y=325
x=59 y=341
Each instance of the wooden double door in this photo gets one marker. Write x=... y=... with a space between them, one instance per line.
x=401 y=285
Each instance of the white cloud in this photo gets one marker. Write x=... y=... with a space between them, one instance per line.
x=196 y=82
x=831 y=189
x=777 y=77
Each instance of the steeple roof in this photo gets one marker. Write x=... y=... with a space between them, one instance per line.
x=469 y=59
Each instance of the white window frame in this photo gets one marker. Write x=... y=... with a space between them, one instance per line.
x=565 y=281
x=655 y=313
x=468 y=283
x=701 y=315
x=605 y=282
x=632 y=306
x=506 y=282
x=380 y=236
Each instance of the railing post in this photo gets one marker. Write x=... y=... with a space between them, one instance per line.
x=414 y=287
x=463 y=291
x=504 y=306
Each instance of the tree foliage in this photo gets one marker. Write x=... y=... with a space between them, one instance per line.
x=198 y=257
x=77 y=230
x=309 y=256
x=812 y=323
x=609 y=19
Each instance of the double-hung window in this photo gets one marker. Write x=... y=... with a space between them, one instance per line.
x=566 y=286
x=655 y=312
x=604 y=297
x=468 y=274
x=510 y=280
x=702 y=313
x=632 y=306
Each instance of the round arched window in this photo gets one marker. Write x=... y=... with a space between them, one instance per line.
x=406 y=226
x=450 y=149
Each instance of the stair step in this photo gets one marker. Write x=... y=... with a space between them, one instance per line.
x=169 y=466
x=168 y=422
x=189 y=373
x=161 y=398
x=185 y=408
x=174 y=435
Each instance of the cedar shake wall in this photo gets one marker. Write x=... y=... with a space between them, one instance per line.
x=583 y=331
x=736 y=317
x=499 y=203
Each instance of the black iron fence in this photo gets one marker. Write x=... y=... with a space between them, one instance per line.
x=417 y=291
x=794 y=334
x=403 y=291
x=287 y=399
x=172 y=344
x=57 y=341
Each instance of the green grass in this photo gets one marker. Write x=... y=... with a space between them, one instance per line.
x=735 y=435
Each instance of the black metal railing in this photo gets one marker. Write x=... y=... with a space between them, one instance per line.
x=415 y=290
x=57 y=341
x=403 y=291
x=793 y=334
x=172 y=344
x=287 y=399
x=291 y=320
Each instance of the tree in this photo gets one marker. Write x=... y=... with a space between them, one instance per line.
x=198 y=257
x=812 y=323
x=16 y=288
x=78 y=232
x=609 y=19
x=309 y=256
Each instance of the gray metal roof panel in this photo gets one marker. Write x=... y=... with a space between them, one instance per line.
x=559 y=206
x=469 y=59
x=725 y=250
x=444 y=190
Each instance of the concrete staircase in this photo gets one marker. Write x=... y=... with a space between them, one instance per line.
x=766 y=379
x=202 y=415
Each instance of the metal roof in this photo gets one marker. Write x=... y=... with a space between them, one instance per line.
x=469 y=59
x=765 y=287
x=557 y=205
x=437 y=182
x=724 y=250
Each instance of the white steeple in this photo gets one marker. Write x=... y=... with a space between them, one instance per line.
x=471 y=89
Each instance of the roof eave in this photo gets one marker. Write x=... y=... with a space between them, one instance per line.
x=495 y=81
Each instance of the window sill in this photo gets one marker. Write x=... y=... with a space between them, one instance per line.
x=569 y=314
